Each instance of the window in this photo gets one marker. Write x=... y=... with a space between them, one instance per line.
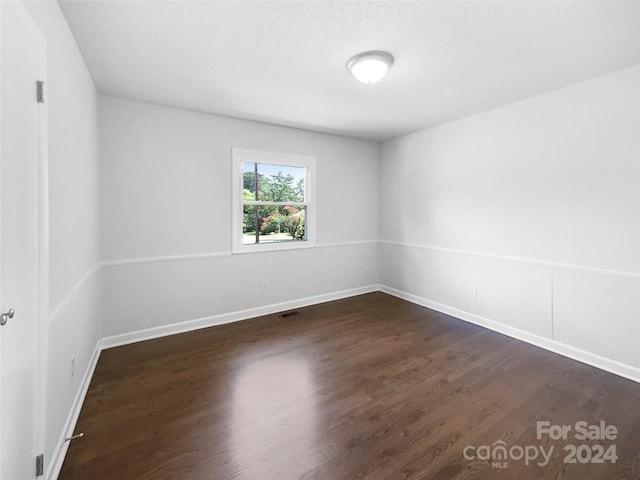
x=272 y=202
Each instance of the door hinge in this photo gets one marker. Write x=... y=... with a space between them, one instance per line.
x=40 y=91
x=40 y=465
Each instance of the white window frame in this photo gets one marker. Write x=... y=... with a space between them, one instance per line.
x=240 y=155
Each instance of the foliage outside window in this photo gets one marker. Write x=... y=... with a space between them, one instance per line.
x=272 y=198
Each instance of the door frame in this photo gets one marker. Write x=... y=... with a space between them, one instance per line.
x=42 y=180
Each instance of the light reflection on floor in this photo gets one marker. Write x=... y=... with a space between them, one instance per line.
x=274 y=408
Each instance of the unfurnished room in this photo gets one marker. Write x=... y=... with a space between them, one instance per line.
x=320 y=240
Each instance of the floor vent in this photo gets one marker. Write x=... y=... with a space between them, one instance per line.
x=289 y=314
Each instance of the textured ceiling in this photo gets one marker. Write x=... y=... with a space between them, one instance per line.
x=285 y=62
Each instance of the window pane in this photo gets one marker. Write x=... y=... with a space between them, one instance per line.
x=276 y=183
x=274 y=223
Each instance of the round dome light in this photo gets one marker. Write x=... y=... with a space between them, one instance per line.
x=370 y=67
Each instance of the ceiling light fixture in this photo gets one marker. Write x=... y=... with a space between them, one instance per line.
x=370 y=67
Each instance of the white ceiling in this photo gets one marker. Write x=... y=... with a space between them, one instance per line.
x=285 y=62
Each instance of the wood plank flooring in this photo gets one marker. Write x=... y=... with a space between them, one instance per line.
x=370 y=387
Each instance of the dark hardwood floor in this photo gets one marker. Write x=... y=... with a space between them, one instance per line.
x=370 y=387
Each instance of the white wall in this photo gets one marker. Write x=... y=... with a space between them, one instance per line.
x=74 y=323
x=166 y=197
x=537 y=204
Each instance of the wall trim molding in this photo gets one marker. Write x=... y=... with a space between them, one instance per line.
x=73 y=292
x=353 y=243
x=223 y=318
x=532 y=261
x=206 y=256
x=60 y=452
x=167 y=258
x=597 y=361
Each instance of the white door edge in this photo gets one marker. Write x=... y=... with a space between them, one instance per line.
x=43 y=234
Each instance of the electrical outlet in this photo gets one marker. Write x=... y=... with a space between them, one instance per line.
x=265 y=286
x=473 y=292
x=73 y=366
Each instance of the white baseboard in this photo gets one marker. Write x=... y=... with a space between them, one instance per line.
x=57 y=459
x=603 y=363
x=187 y=326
